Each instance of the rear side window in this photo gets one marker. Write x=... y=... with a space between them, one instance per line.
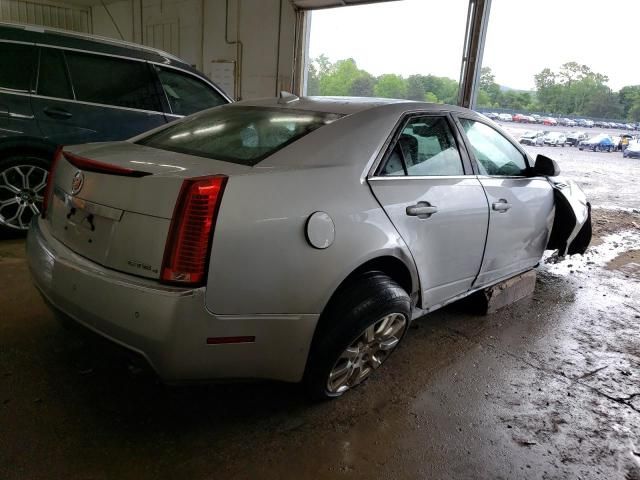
x=426 y=147
x=52 y=75
x=112 y=81
x=243 y=135
x=495 y=154
x=187 y=94
x=17 y=65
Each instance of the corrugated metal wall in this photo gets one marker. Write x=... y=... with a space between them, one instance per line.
x=164 y=35
x=46 y=14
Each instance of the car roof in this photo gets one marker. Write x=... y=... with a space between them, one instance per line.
x=347 y=105
x=92 y=43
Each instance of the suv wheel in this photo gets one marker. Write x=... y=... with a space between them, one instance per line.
x=22 y=183
x=368 y=320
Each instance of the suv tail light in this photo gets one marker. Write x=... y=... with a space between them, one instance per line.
x=186 y=254
x=48 y=189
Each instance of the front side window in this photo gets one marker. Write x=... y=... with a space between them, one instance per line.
x=243 y=135
x=495 y=154
x=187 y=94
x=52 y=75
x=17 y=63
x=426 y=147
x=112 y=81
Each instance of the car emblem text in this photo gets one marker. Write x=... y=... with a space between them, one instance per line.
x=76 y=182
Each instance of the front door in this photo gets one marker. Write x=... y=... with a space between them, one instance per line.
x=521 y=206
x=440 y=212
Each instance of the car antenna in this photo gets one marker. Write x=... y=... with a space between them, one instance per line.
x=287 y=97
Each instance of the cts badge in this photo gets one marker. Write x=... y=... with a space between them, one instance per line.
x=76 y=182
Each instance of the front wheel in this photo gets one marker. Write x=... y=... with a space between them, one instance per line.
x=362 y=326
x=22 y=183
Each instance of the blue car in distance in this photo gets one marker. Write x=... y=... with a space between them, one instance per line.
x=599 y=143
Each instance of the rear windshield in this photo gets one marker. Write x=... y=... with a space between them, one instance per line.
x=244 y=135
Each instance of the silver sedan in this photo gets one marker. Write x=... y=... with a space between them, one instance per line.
x=293 y=239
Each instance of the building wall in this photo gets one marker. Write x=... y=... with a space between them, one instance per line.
x=195 y=31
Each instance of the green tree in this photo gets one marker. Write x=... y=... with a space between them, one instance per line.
x=390 y=85
x=415 y=88
x=340 y=78
x=488 y=85
x=363 y=86
x=430 y=97
x=628 y=97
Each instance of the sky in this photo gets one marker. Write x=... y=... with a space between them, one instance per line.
x=524 y=36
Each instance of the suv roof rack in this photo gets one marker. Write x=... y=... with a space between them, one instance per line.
x=90 y=37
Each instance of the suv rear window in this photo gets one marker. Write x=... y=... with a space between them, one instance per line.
x=244 y=135
x=112 y=81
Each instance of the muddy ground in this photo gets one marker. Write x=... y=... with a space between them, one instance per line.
x=547 y=388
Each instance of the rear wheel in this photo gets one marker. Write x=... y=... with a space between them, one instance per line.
x=362 y=326
x=22 y=183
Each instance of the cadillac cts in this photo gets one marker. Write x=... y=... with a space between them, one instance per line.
x=293 y=239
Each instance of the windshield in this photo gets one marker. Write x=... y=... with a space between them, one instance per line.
x=244 y=135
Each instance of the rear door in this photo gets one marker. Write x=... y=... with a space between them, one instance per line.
x=521 y=206
x=83 y=97
x=425 y=186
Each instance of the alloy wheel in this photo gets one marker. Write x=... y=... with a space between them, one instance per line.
x=366 y=353
x=21 y=195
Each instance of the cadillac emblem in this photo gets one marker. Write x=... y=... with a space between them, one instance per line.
x=76 y=182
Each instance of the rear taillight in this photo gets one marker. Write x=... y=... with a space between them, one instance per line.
x=186 y=255
x=48 y=190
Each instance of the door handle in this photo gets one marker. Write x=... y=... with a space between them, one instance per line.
x=57 y=113
x=421 y=210
x=501 y=205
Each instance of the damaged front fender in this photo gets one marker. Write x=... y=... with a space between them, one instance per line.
x=571 y=232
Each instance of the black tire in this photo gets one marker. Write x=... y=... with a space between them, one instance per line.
x=365 y=301
x=27 y=199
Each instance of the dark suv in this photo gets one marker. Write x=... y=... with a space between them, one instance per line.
x=61 y=88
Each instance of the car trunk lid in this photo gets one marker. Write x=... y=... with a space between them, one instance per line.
x=113 y=203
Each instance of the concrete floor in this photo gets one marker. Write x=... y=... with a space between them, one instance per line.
x=546 y=388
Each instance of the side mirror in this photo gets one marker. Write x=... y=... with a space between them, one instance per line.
x=546 y=167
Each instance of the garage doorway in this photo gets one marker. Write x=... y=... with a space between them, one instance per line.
x=407 y=49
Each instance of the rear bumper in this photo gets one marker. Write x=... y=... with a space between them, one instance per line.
x=168 y=326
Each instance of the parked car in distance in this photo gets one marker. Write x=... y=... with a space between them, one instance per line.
x=72 y=88
x=533 y=137
x=520 y=118
x=537 y=118
x=581 y=122
x=505 y=117
x=574 y=138
x=555 y=139
x=549 y=121
x=491 y=115
x=589 y=123
x=156 y=242
x=632 y=151
x=599 y=143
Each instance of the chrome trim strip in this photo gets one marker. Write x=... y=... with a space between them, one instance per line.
x=90 y=207
x=155 y=112
x=19 y=115
x=422 y=177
